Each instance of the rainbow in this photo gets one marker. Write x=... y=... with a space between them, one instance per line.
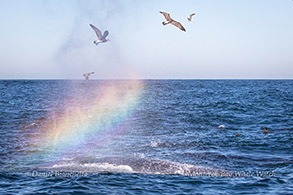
x=90 y=118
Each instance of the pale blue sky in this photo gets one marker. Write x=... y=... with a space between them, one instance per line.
x=52 y=39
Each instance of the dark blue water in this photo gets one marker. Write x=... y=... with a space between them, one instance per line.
x=172 y=144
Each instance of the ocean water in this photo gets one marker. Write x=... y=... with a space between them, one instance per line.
x=146 y=137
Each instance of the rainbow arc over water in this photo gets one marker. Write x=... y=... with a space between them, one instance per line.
x=91 y=118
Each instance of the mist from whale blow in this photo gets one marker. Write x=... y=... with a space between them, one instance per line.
x=87 y=123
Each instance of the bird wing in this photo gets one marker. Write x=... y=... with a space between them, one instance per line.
x=98 y=32
x=178 y=25
x=190 y=16
x=166 y=15
x=106 y=33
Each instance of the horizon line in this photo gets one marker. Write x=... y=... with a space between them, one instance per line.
x=148 y=79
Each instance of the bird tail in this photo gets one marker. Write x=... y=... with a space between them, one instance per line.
x=164 y=23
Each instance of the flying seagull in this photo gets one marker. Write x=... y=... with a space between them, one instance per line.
x=170 y=20
x=190 y=17
x=86 y=75
x=101 y=38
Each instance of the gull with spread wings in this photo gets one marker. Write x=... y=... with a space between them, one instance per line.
x=101 y=38
x=190 y=17
x=170 y=20
x=86 y=75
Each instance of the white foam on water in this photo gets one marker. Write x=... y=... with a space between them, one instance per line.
x=139 y=155
x=109 y=167
x=136 y=165
x=154 y=144
x=92 y=167
x=67 y=159
x=63 y=165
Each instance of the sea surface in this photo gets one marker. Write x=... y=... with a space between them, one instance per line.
x=146 y=137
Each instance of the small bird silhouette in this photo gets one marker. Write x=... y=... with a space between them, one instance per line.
x=86 y=75
x=170 y=20
x=190 y=19
x=101 y=38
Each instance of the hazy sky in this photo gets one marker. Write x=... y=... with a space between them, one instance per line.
x=52 y=39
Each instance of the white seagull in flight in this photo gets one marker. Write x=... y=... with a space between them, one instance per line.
x=86 y=75
x=170 y=20
x=101 y=38
x=190 y=17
